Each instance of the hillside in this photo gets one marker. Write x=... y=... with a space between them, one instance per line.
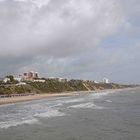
x=54 y=86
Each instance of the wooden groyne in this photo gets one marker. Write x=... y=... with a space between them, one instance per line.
x=16 y=95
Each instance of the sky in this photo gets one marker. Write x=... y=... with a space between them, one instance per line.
x=80 y=39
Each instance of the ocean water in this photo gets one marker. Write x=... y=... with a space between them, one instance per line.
x=112 y=115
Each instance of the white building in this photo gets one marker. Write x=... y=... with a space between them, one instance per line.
x=21 y=83
x=62 y=79
x=105 y=80
x=19 y=79
x=59 y=79
x=5 y=80
x=39 y=80
x=96 y=82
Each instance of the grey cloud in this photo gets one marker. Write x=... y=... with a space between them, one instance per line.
x=71 y=26
x=62 y=38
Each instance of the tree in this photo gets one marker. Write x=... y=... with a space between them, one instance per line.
x=12 y=80
x=11 y=77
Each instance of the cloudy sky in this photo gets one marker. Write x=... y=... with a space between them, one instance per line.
x=84 y=39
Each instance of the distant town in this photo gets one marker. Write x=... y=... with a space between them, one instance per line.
x=30 y=83
x=32 y=76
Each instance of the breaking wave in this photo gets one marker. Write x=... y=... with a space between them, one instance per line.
x=109 y=101
x=73 y=100
x=12 y=123
x=86 y=105
x=100 y=94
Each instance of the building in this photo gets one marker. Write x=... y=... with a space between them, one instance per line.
x=59 y=79
x=5 y=80
x=36 y=75
x=39 y=80
x=19 y=79
x=105 y=80
x=21 y=83
x=62 y=79
x=30 y=76
x=96 y=82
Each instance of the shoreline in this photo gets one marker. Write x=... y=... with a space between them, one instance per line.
x=11 y=100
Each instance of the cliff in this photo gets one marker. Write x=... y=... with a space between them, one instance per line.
x=54 y=86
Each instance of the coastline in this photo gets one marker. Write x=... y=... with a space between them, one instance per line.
x=11 y=100
x=18 y=99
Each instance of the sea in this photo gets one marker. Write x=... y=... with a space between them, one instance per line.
x=106 y=115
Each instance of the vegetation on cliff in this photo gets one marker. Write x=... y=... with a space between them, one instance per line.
x=53 y=86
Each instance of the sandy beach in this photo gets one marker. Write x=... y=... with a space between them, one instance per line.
x=10 y=100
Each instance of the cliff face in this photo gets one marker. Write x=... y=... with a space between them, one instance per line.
x=72 y=85
x=53 y=86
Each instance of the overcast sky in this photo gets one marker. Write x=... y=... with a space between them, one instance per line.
x=84 y=39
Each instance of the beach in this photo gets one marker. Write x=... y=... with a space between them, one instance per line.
x=10 y=100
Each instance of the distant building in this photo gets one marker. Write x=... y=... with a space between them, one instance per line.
x=19 y=79
x=36 y=75
x=39 y=80
x=59 y=79
x=30 y=76
x=5 y=80
x=62 y=79
x=21 y=83
x=105 y=80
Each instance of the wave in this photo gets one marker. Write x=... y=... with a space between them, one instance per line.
x=50 y=114
x=100 y=94
x=89 y=105
x=84 y=105
x=12 y=123
x=109 y=101
x=73 y=100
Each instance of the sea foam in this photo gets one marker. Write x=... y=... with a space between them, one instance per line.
x=89 y=105
x=84 y=105
x=50 y=114
x=73 y=100
x=109 y=101
x=12 y=123
x=100 y=94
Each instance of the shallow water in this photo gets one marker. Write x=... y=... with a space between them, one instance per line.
x=103 y=116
